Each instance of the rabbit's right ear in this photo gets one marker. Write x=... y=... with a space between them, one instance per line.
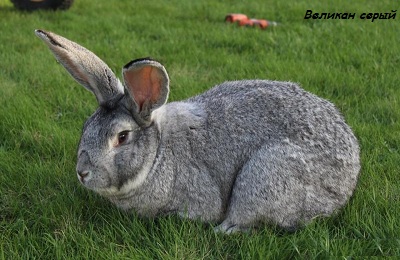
x=147 y=83
x=86 y=68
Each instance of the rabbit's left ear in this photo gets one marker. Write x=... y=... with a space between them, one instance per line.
x=86 y=68
x=147 y=82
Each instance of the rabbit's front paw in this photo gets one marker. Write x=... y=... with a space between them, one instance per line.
x=229 y=228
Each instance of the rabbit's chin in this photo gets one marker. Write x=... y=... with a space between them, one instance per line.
x=107 y=192
x=112 y=193
x=104 y=190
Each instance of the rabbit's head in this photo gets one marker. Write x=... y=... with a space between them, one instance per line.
x=118 y=143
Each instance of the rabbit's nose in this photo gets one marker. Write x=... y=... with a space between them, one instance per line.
x=83 y=175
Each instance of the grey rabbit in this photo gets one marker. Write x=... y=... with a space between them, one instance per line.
x=243 y=153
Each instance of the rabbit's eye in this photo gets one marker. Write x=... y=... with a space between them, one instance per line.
x=122 y=137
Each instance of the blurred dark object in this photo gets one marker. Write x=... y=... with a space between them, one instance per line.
x=30 y=5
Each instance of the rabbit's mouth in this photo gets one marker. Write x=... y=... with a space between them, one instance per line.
x=101 y=186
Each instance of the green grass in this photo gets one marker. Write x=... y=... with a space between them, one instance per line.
x=46 y=214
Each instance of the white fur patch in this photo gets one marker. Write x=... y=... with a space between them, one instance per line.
x=159 y=116
x=171 y=116
x=120 y=87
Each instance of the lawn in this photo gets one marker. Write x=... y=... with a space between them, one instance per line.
x=46 y=214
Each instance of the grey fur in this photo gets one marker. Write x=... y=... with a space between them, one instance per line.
x=243 y=153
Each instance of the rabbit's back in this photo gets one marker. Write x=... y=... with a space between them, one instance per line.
x=246 y=114
x=260 y=122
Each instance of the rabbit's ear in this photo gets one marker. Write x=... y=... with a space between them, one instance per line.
x=148 y=85
x=86 y=68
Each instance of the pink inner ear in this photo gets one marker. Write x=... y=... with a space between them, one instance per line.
x=144 y=85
